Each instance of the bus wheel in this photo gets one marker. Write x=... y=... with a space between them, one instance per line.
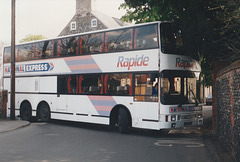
x=44 y=112
x=123 y=120
x=25 y=111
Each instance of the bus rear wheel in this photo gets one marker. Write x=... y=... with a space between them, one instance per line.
x=123 y=120
x=25 y=111
x=44 y=112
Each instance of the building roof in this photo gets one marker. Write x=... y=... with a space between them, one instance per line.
x=108 y=21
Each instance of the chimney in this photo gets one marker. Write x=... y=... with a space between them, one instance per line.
x=83 y=6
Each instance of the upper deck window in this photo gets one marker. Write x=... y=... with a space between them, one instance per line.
x=91 y=43
x=67 y=46
x=7 y=55
x=124 y=39
x=47 y=49
x=146 y=37
x=118 y=40
x=171 y=39
x=25 y=52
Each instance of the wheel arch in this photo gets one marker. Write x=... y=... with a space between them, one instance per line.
x=114 y=114
x=26 y=102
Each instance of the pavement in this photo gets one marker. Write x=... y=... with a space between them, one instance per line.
x=10 y=125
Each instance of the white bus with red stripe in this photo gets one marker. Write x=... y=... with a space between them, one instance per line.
x=136 y=76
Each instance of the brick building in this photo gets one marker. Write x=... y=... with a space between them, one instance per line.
x=85 y=19
x=228 y=108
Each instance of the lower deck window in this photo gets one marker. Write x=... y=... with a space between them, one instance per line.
x=110 y=84
x=146 y=87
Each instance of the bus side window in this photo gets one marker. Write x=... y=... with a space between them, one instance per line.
x=120 y=84
x=18 y=53
x=118 y=40
x=72 y=84
x=67 y=46
x=38 y=49
x=146 y=87
x=92 y=84
x=92 y=43
x=7 y=55
x=47 y=50
x=30 y=52
x=73 y=46
x=112 y=84
x=62 y=47
x=146 y=37
x=96 y=43
x=62 y=85
x=84 y=44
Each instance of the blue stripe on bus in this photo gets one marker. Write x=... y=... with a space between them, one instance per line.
x=80 y=62
x=103 y=103
x=104 y=113
x=86 y=71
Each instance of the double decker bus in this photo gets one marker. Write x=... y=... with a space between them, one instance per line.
x=135 y=76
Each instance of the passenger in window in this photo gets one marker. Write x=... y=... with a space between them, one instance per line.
x=112 y=85
x=155 y=89
x=84 y=85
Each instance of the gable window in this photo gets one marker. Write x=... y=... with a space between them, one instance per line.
x=73 y=26
x=94 y=23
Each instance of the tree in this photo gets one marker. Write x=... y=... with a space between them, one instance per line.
x=31 y=37
x=2 y=44
x=228 y=12
x=211 y=27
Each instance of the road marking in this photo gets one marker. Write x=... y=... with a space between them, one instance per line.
x=189 y=143
x=51 y=134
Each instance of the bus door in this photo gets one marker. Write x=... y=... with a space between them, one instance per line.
x=62 y=93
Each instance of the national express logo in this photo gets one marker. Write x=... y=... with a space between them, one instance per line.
x=40 y=67
x=129 y=62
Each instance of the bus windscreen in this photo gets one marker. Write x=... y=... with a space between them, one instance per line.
x=171 y=39
x=179 y=87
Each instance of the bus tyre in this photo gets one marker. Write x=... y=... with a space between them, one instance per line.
x=44 y=112
x=25 y=111
x=123 y=120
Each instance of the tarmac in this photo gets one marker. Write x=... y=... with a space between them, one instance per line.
x=11 y=125
x=214 y=143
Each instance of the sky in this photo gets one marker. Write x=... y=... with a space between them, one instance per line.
x=46 y=17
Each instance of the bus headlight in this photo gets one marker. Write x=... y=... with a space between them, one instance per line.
x=173 y=118
x=199 y=115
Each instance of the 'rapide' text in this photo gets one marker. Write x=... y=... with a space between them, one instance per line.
x=132 y=61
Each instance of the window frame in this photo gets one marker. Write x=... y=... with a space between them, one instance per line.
x=94 y=23
x=73 y=25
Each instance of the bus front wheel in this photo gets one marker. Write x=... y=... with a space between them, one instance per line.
x=44 y=112
x=123 y=120
x=25 y=111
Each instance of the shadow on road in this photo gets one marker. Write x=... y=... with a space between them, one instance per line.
x=185 y=131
